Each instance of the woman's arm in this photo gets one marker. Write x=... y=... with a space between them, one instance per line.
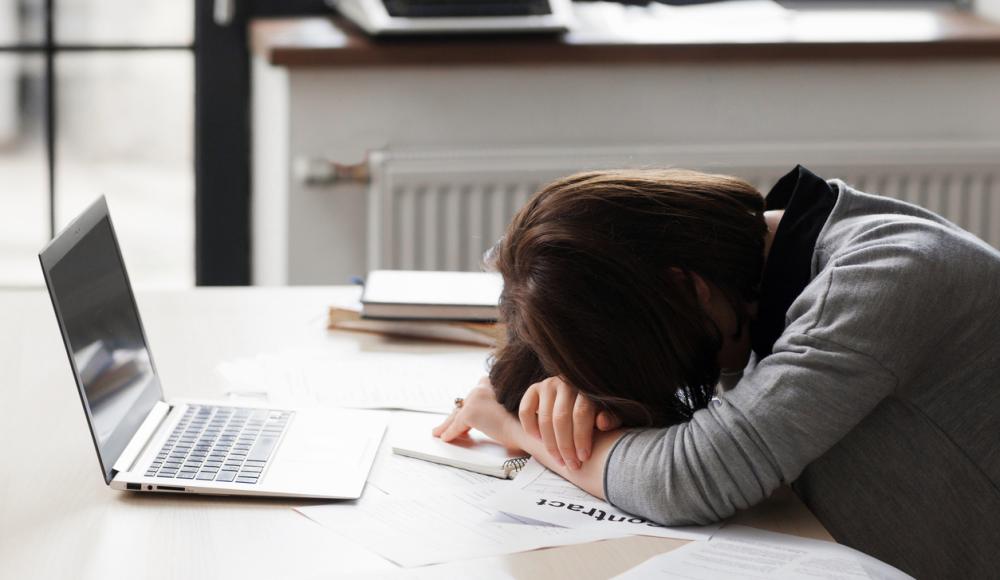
x=590 y=475
x=792 y=408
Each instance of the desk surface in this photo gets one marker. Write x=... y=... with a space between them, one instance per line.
x=59 y=520
x=625 y=36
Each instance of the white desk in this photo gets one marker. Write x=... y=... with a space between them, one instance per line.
x=59 y=520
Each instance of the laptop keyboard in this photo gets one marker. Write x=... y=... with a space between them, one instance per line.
x=451 y=8
x=226 y=444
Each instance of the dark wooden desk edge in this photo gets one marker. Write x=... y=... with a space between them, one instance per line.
x=332 y=42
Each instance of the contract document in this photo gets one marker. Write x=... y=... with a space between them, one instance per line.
x=542 y=495
x=439 y=527
x=749 y=553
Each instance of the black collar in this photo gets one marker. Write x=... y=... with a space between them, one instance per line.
x=807 y=200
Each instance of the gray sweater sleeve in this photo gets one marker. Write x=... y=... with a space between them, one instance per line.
x=826 y=373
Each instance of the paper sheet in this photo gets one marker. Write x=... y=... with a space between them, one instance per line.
x=416 y=513
x=747 y=553
x=365 y=380
x=439 y=527
x=540 y=494
x=536 y=479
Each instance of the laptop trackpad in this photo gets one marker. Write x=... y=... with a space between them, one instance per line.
x=327 y=452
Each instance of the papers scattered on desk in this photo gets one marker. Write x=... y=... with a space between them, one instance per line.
x=416 y=513
x=742 y=552
x=436 y=528
x=542 y=495
x=426 y=382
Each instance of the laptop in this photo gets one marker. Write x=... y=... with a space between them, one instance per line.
x=411 y=17
x=147 y=443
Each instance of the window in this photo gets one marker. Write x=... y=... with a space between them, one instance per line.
x=97 y=97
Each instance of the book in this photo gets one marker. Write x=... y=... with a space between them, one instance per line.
x=426 y=295
x=472 y=452
x=475 y=333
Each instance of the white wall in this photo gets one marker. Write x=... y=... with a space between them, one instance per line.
x=988 y=8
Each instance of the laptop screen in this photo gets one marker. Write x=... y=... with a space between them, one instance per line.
x=102 y=331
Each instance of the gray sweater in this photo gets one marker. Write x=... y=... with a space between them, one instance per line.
x=881 y=402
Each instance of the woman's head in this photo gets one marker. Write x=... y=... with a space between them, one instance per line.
x=600 y=272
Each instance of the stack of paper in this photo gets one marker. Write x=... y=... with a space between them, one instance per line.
x=747 y=553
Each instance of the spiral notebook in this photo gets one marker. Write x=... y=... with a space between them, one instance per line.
x=473 y=452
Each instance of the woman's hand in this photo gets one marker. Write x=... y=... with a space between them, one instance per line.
x=480 y=410
x=563 y=419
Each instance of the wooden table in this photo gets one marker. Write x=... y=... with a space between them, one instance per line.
x=830 y=34
x=59 y=520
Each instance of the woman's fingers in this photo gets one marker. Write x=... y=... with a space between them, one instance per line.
x=562 y=424
x=456 y=428
x=607 y=421
x=546 y=400
x=437 y=431
x=584 y=414
x=527 y=412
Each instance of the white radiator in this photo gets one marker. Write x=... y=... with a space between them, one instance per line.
x=441 y=210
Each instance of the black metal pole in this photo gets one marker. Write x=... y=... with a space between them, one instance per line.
x=222 y=149
x=50 y=111
x=222 y=137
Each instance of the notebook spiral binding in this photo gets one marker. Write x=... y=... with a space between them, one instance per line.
x=516 y=464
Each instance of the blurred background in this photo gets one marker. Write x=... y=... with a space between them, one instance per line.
x=123 y=109
x=273 y=142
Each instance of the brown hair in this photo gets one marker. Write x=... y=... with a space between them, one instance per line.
x=589 y=294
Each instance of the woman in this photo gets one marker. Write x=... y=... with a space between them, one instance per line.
x=865 y=329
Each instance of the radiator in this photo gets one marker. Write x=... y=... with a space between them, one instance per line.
x=440 y=210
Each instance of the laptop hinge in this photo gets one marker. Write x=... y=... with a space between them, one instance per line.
x=142 y=436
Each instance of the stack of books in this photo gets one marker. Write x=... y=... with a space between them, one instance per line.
x=457 y=307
